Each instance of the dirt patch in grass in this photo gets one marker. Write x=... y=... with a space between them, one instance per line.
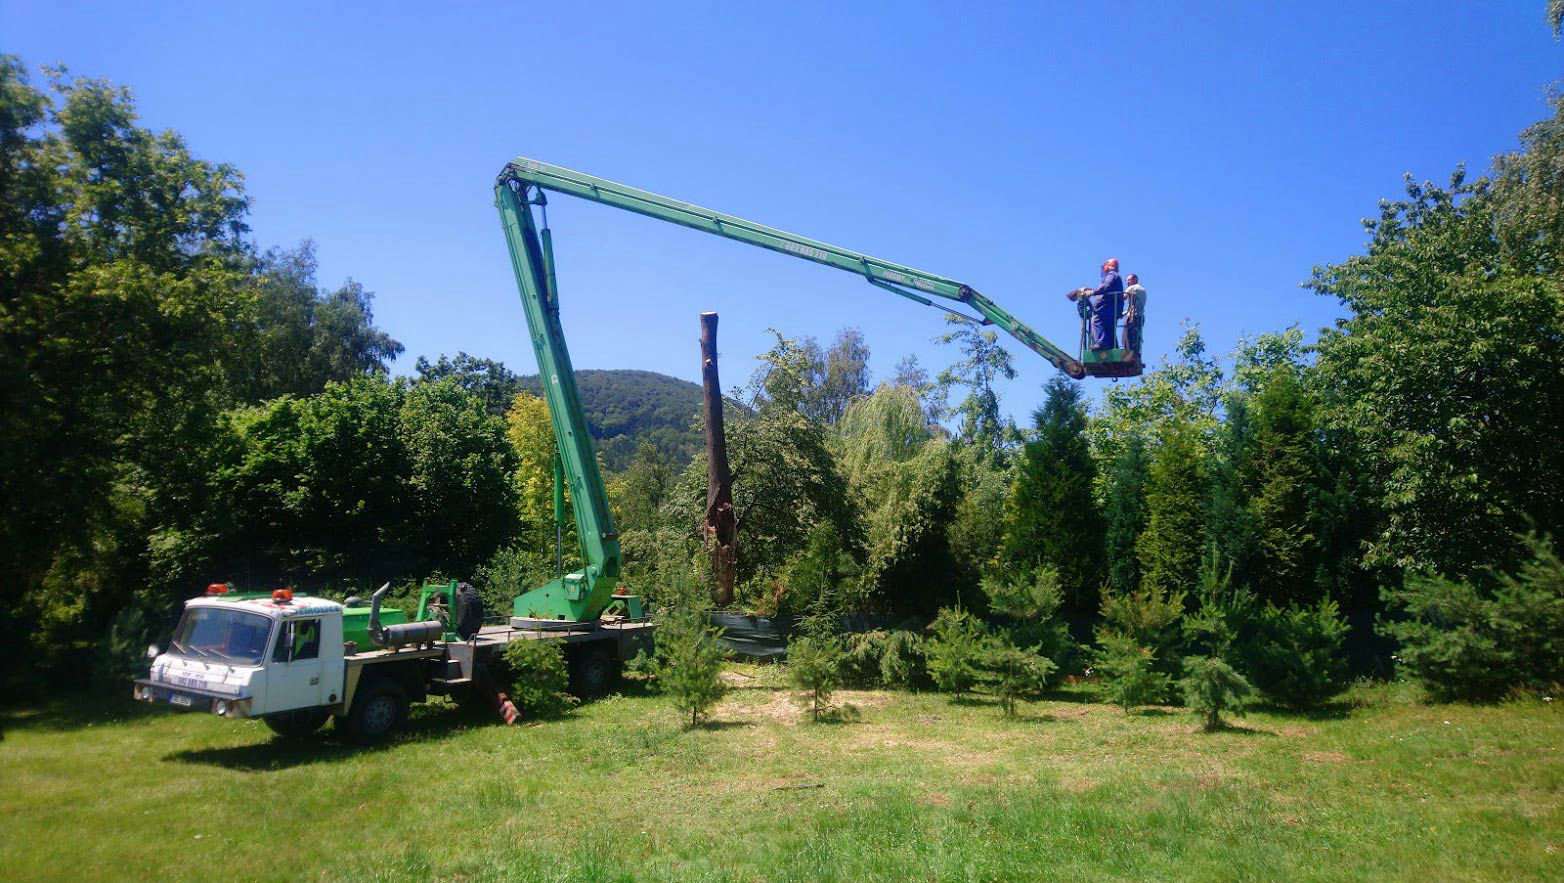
x=1326 y=757
x=778 y=708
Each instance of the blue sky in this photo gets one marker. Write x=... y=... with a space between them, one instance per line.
x=1219 y=149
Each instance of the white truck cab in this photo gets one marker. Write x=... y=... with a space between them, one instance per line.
x=251 y=657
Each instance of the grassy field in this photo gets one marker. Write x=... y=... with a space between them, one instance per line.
x=917 y=787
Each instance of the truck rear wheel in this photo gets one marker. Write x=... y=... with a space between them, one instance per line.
x=379 y=709
x=591 y=672
x=296 y=724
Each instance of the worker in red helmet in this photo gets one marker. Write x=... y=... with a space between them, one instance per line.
x=1105 y=303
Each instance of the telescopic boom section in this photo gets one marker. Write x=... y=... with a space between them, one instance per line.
x=581 y=595
x=909 y=283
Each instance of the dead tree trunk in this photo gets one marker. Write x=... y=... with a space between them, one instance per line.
x=721 y=525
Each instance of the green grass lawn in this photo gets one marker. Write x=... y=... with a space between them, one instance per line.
x=917 y=787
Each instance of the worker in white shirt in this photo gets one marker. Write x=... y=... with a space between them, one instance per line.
x=1134 y=313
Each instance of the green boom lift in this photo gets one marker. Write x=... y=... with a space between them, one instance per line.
x=587 y=593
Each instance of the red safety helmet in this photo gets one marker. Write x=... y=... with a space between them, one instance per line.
x=1111 y=264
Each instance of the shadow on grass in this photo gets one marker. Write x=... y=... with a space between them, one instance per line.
x=1077 y=697
x=277 y=754
x=970 y=700
x=1233 y=729
x=328 y=746
x=77 y=711
x=1330 y=711
x=723 y=725
x=1023 y=718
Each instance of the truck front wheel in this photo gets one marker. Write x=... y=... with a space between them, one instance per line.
x=379 y=709
x=296 y=724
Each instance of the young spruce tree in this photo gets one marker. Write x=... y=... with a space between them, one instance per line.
x=689 y=663
x=814 y=666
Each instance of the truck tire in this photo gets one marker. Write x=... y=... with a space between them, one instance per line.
x=379 y=709
x=296 y=724
x=592 y=672
x=469 y=611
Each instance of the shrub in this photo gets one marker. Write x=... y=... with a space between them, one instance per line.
x=1130 y=677
x=893 y=660
x=903 y=664
x=1034 y=603
x=688 y=664
x=1015 y=673
x=1211 y=687
x=955 y=651
x=1037 y=597
x=538 y=677
x=1225 y=614
x=861 y=658
x=1462 y=640
x=510 y=572
x=122 y=653
x=1294 y=655
x=814 y=665
x=1147 y=618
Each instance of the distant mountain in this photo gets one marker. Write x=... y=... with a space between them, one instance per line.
x=623 y=407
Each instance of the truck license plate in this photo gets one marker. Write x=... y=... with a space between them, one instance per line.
x=177 y=699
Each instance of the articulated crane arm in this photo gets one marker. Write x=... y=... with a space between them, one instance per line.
x=893 y=277
x=583 y=595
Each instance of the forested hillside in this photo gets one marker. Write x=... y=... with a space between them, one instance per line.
x=626 y=407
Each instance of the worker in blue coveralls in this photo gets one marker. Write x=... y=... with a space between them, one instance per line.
x=1105 y=302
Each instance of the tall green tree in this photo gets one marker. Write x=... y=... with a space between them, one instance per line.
x=1188 y=389
x=1124 y=514
x=983 y=363
x=907 y=485
x=846 y=374
x=1278 y=477
x=1171 y=546
x=302 y=336
x=122 y=276
x=1052 y=519
x=640 y=492
x=1447 y=371
x=460 y=475
x=1230 y=518
x=488 y=379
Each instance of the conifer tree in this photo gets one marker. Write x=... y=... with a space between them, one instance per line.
x=1170 y=548
x=1230 y=527
x=688 y=666
x=1125 y=514
x=1277 y=478
x=814 y=666
x=1053 y=520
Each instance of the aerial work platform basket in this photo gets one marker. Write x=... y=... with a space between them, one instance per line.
x=1115 y=362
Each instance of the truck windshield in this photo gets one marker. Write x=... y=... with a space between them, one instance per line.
x=232 y=636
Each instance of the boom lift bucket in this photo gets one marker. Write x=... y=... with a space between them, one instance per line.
x=1115 y=362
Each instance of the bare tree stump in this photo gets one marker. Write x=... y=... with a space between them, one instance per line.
x=721 y=523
